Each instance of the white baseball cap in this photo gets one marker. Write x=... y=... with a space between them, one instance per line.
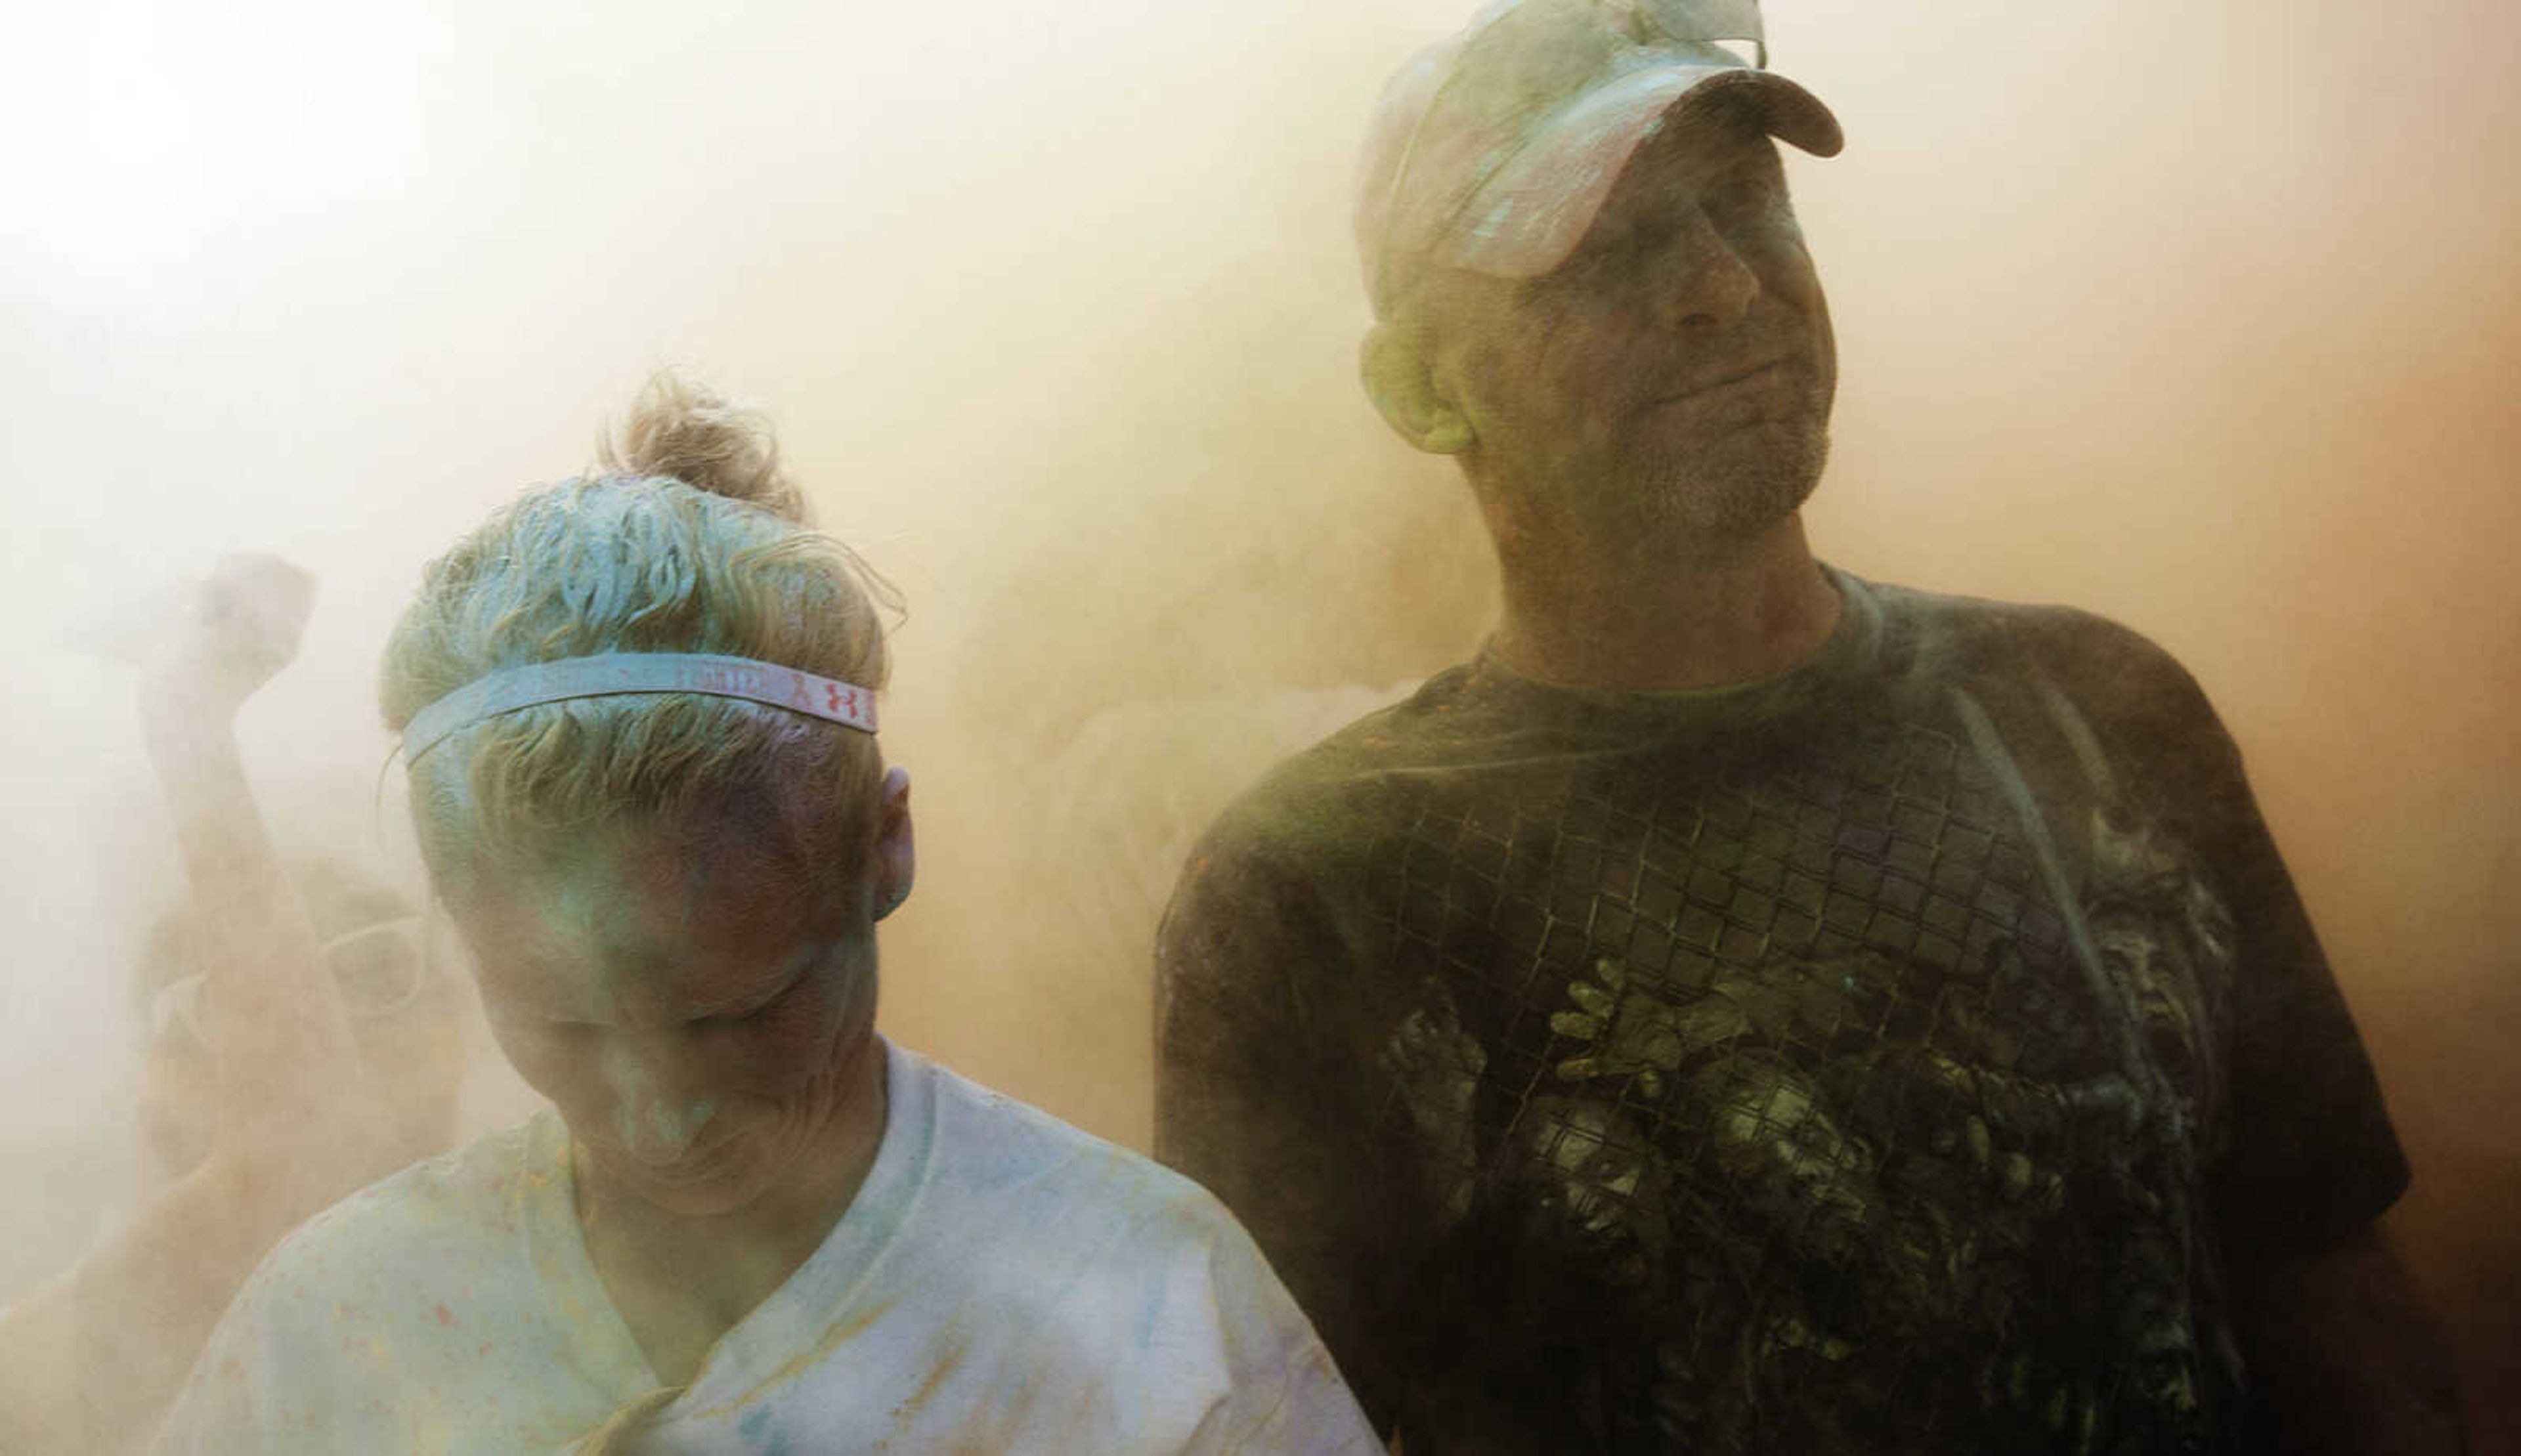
x=1492 y=150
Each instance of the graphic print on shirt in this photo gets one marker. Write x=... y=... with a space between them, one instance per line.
x=1785 y=1065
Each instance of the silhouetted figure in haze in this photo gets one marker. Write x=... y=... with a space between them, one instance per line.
x=1749 y=1008
x=300 y=1044
x=403 y=1007
x=638 y=712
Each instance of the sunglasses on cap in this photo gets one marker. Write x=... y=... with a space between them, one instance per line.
x=380 y=970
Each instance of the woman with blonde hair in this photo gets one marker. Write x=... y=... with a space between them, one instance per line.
x=638 y=714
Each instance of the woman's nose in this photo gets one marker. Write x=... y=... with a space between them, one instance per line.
x=658 y=1110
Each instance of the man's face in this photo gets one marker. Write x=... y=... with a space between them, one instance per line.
x=1675 y=371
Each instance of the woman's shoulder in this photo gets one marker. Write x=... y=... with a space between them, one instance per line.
x=1021 y=1161
x=1033 y=1223
x=461 y=1208
x=414 y=1305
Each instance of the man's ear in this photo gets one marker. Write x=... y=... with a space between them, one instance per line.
x=895 y=862
x=1400 y=381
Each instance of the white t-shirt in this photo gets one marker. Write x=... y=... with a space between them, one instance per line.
x=1002 y=1282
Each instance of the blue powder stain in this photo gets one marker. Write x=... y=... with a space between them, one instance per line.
x=757 y=1436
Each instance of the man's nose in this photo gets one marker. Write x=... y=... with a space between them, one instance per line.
x=1705 y=281
x=658 y=1106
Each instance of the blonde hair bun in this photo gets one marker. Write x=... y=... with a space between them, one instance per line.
x=682 y=430
x=688 y=539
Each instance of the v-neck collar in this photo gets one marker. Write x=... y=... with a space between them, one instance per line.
x=596 y=1340
x=794 y=1325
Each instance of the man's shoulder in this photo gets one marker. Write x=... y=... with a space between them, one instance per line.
x=1320 y=791
x=1442 y=713
x=2076 y=690
x=2088 y=655
x=1995 y=625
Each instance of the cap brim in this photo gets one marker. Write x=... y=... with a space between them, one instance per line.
x=1525 y=220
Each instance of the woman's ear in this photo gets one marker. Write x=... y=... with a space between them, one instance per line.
x=896 y=862
x=1398 y=380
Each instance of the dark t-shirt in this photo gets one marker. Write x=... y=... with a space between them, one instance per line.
x=1881 y=1057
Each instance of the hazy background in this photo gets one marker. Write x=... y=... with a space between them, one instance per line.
x=2205 y=315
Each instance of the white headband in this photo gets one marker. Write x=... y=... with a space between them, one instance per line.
x=616 y=674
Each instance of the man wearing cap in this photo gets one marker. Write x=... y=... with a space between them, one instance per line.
x=1748 y=1008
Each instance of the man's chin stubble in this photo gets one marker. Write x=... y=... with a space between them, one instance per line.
x=1738 y=505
